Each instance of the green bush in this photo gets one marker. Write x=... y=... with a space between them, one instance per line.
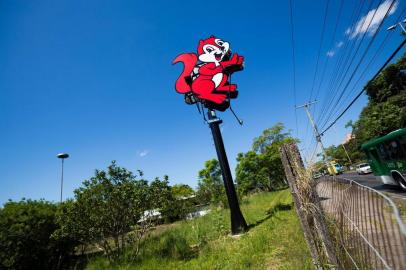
x=26 y=240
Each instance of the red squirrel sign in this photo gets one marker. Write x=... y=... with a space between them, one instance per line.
x=206 y=75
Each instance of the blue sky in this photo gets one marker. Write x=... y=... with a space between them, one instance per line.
x=94 y=79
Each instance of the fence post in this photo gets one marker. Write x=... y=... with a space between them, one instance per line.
x=303 y=218
x=305 y=197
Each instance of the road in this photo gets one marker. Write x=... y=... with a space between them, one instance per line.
x=370 y=180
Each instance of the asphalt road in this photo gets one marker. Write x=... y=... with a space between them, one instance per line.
x=370 y=180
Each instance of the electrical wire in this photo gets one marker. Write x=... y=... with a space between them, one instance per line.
x=293 y=63
x=363 y=89
x=342 y=75
x=372 y=60
x=331 y=45
x=318 y=59
x=332 y=108
x=362 y=57
x=341 y=62
x=320 y=46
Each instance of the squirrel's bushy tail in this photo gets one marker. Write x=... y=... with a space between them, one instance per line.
x=189 y=61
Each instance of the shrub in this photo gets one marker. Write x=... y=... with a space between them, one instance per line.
x=26 y=240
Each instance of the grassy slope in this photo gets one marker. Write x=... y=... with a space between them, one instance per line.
x=275 y=241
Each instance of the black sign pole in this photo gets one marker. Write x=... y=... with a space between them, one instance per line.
x=238 y=224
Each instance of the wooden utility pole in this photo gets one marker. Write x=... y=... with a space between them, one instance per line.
x=316 y=131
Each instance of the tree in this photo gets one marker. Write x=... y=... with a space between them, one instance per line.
x=349 y=124
x=378 y=119
x=390 y=82
x=210 y=184
x=108 y=206
x=164 y=200
x=386 y=108
x=261 y=168
x=26 y=242
x=269 y=136
x=185 y=200
x=182 y=191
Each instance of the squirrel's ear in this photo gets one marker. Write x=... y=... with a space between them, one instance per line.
x=212 y=36
x=200 y=47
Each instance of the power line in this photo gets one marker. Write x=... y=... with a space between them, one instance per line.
x=318 y=60
x=363 y=89
x=351 y=77
x=293 y=61
x=362 y=58
x=326 y=62
x=341 y=62
x=342 y=75
x=331 y=45
x=320 y=45
x=372 y=60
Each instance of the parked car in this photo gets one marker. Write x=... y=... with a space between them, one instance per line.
x=363 y=168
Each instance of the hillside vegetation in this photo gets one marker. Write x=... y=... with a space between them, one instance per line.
x=274 y=241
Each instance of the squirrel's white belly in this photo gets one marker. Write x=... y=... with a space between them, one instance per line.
x=217 y=79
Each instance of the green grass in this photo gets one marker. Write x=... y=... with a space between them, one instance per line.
x=274 y=241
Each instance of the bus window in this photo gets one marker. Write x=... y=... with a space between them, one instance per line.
x=395 y=150
x=402 y=141
x=383 y=153
x=374 y=154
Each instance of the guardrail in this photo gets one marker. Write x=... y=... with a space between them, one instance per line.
x=364 y=223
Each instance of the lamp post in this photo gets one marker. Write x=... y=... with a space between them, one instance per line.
x=62 y=156
x=392 y=27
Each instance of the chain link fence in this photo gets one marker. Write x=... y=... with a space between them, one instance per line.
x=346 y=225
x=364 y=223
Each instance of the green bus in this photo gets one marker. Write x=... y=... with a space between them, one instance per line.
x=387 y=157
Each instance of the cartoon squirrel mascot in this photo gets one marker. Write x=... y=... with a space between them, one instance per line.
x=205 y=75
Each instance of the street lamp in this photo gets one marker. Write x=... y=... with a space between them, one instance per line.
x=396 y=24
x=62 y=156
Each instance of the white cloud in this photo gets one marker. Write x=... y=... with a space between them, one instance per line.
x=143 y=153
x=331 y=53
x=372 y=19
x=334 y=50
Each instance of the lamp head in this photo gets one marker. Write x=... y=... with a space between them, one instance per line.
x=62 y=155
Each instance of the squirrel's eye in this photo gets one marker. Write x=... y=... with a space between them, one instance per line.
x=220 y=43
x=209 y=50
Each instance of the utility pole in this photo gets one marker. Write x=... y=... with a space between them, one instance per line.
x=315 y=129
x=345 y=150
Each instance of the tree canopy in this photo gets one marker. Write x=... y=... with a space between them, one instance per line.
x=386 y=108
x=26 y=236
x=210 y=184
x=261 y=168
